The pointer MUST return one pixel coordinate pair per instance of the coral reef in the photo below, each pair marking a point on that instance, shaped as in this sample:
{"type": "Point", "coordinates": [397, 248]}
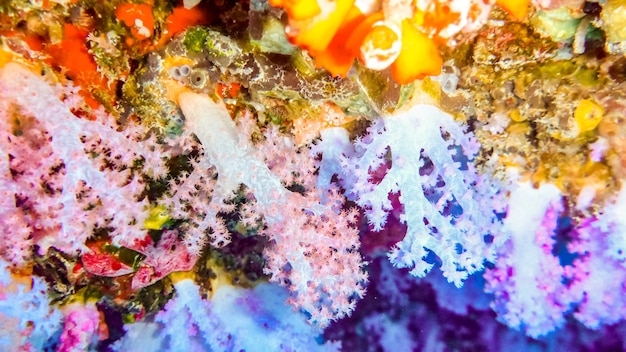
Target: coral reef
{"type": "Point", "coordinates": [312, 175]}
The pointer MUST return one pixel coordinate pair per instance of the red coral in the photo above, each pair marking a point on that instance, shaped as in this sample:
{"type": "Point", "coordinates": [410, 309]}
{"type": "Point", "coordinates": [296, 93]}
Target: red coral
{"type": "Point", "coordinates": [168, 256]}
{"type": "Point", "coordinates": [102, 263]}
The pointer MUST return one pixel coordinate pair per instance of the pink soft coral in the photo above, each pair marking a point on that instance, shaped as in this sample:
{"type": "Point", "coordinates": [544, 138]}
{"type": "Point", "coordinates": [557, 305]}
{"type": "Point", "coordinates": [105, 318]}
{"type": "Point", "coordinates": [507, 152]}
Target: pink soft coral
{"type": "Point", "coordinates": [80, 327]}
{"type": "Point", "coordinates": [168, 256]}
{"type": "Point", "coordinates": [527, 279]}
{"type": "Point", "coordinates": [314, 249]}
{"type": "Point", "coordinates": [63, 176]}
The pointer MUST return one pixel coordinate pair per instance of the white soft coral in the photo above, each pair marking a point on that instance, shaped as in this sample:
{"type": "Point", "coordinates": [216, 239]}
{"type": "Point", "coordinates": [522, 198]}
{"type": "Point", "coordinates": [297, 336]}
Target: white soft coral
{"type": "Point", "coordinates": [314, 249]}
{"type": "Point", "coordinates": [426, 157]}
{"type": "Point", "coordinates": [27, 320]}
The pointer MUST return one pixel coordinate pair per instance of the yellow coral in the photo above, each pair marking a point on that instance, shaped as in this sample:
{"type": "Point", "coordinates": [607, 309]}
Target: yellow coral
{"type": "Point", "coordinates": [416, 44]}
{"type": "Point", "coordinates": [572, 174]}
{"type": "Point", "coordinates": [588, 115]}
{"type": "Point", "coordinates": [157, 217]}
{"type": "Point", "coordinates": [516, 8]}
{"type": "Point", "coordinates": [517, 116]}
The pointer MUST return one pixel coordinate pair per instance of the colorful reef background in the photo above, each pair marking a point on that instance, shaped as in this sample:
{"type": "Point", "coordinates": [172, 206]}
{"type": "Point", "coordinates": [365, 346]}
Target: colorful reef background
{"type": "Point", "coordinates": [312, 175]}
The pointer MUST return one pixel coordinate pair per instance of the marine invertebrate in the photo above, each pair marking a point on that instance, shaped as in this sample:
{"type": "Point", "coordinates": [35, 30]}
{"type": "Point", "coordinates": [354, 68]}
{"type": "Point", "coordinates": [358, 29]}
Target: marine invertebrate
{"type": "Point", "coordinates": [228, 192]}
{"type": "Point", "coordinates": [384, 34]}
{"type": "Point", "coordinates": [26, 316]}
{"type": "Point", "coordinates": [426, 158]}
{"type": "Point", "coordinates": [312, 242]}
{"type": "Point", "coordinates": [59, 197]}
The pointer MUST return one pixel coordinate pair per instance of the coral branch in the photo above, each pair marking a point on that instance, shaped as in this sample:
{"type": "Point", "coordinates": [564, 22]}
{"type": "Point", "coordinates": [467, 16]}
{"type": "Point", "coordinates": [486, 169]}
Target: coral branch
{"type": "Point", "coordinates": [315, 249]}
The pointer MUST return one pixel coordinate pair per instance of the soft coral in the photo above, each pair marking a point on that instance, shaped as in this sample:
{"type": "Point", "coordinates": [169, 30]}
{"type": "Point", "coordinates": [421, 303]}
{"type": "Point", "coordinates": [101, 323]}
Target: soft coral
{"type": "Point", "coordinates": [64, 176]}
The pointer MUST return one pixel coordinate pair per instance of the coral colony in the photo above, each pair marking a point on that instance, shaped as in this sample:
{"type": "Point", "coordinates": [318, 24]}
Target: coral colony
{"type": "Point", "coordinates": [312, 175]}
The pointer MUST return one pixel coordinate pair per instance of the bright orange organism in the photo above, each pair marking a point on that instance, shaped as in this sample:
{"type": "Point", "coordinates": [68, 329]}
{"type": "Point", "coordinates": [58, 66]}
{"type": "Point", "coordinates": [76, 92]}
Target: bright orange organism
{"type": "Point", "coordinates": [72, 55]}
{"type": "Point", "coordinates": [138, 17]}
{"type": "Point", "coordinates": [401, 34]}
{"type": "Point", "coordinates": [181, 19]}
{"type": "Point", "coordinates": [516, 8]}
{"type": "Point", "coordinates": [416, 44]}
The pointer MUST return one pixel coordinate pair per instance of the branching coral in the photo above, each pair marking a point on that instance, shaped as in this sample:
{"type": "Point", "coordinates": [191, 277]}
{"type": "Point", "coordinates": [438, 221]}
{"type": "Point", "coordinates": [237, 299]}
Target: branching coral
{"type": "Point", "coordinates": [426, 158]}
{"type": "Point", "coordinates": [229, 194]}
{"type": "Point", "coordinates": [580, 273]}
{"type": "Point", "coordinates": [533, 299]}
{"type": "Point", "coordinates": [235, 319]}
{"type": "Point", "coordinates": [27, 320]}
{"type": "Point", "coordinates": [65, 176]}
{"type": "Point", "coordinates": [313, 245]}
